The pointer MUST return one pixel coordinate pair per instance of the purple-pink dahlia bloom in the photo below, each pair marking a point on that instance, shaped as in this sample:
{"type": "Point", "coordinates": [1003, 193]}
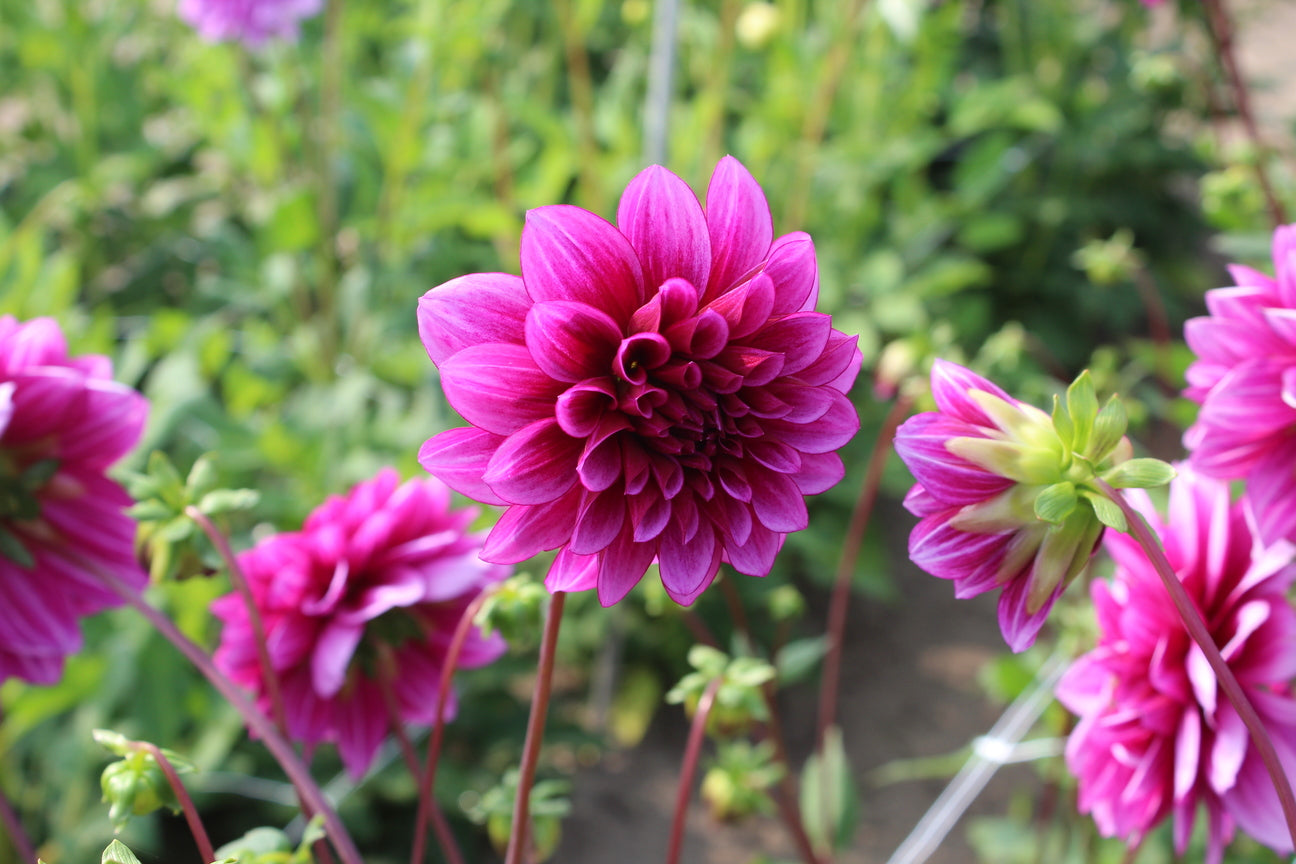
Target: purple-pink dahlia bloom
{"type": "Point", "coordinates": [252, 22]}
{"type": "Point", "coordinates": [1156, 734]}
{"type": "Point", "coordinates": [658, 389]}
{"type": "Point", "coordinates": [982, 461]}
{"type": "Point", "coordinates": [1245, 379]}
{"type": "Point", "coordinates": [63, 423]}
{"type": "Point", "coordinates": [366, 596]}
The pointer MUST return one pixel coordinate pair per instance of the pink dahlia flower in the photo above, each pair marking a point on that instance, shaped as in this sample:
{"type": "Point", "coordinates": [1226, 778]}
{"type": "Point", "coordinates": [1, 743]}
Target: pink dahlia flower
{"type": "Point", "coordinates": [659, 389]}
{"type": "Point", "coordinates": [252, 22]}
{"type": "Point", "coordinates": [1245, 379]}
{"type": "Point", "coordinates": [63, 423]}
{"type": "Point", "coordinates": [982, 462]}
{"type": "Point", "coordinates": [1156, 734]}
{"type": "Point", "coordinates": [374, 584]}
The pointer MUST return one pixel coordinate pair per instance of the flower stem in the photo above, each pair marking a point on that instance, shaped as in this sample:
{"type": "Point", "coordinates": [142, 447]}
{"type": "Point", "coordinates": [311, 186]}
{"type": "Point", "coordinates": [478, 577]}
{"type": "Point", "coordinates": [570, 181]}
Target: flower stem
{"type": "Point", "coordinates": [240, 582]}
{"type": "Point", "coordinates": [840, 602]}
{"type": "Point", "coordinates": [196, 828]}
{"type": "Point", "coordinates": [688, 769]}
{"type": "Point", "coordinates": [517, 844]}
{"type": "Point", "coordinates": [310, 792]}
{"type": "Point", "coordinates": [427, 778]}
{"type": "Point", "coordinates": [386, 678]}
{"type": "Point", "coordinates": [17, 836]}
{"type": "Point", "coordinates": [1197, 630]}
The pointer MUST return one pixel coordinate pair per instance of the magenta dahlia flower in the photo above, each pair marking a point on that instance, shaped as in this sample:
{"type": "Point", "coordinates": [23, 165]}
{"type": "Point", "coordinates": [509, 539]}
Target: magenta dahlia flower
{"type": "Point", "coordinates": [1156, 735]}
{"type": "Point", "coordinates": [252, 22]}
{"type": "Point", "coordinates": [374, 584]}
{"type": "Point", "coordinates": [1245, 380]}
{"type": "Point", "coordinates": [659, 389]}
{"type": "Point", "coordinates": [1004, 495]}
{"type": "Point", "coordinates": [63, 423]}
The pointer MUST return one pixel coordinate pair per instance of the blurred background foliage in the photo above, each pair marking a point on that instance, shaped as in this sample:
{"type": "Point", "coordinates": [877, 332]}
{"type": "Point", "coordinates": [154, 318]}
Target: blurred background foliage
{"type": "Point", "coordinates": [247, 233]}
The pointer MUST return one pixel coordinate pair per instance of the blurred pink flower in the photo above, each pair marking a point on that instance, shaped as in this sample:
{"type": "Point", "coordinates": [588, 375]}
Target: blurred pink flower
{"type": "Point", "coordinates": [252, 22]}
{"type": "Point", "coordinates": [661, 389]}
{"type": "Point", "coordinates": [63, 423]}
{"type": "Point", "coordinates": [1156, 735]}
{"type": "Point", "coordinates": [980, 461]}
{"type": "Point", "coordinates": [386, 570]}
{"type": "Point", "coordinates": [1245, 379]}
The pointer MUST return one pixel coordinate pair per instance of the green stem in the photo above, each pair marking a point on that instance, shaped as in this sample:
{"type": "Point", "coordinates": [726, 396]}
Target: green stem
{"type": "Point", "coordinates": [518, 835]}
{"type": "Point", "coordinates": [1197, 630]}
{"type": "Point", "coordinates": [688, 769]}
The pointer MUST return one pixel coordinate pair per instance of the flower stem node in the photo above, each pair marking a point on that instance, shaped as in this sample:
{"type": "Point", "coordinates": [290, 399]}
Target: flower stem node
{"type": "Point", "coordinates": [135, 784]}
{"type": "Point", "coordinates": [740, 700]}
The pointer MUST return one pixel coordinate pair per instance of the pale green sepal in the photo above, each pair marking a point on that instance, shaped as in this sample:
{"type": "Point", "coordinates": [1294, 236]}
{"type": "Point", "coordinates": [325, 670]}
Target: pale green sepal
{"type": "Point", "coordinates": [1062, 423]}
{"type": "Point", "coordinates": [1108, 429]}
{"type": "Point", "coordinates": [1082, 403]}
{"type": "Point", "coordinates": [1093, 531]}
{"type": "Point", "coordinates": [1140, 474]}
{"type": "Point", "coordinates": [1007, 511]}
{"type": "Point", "coordinates": [118, 853]}
{"type": "Point", "coordinates": [1007, 459]}
{"type": "Point", "coordinates": [1106, 510]}
{"type": "Point", "coordinates": [1055, 559]}
{"type": "Point", "coordinates": [1055, 503]}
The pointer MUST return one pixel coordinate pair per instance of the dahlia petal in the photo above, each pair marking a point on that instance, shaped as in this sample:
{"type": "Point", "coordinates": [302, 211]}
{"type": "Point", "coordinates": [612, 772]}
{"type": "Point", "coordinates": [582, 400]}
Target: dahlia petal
{"type": "Point", "coordinates": [333, 651]}
{"type": "Point", "coordinates": [675, 300]}
{"type": "Point", "coordinates": [525, 531]}
{"type": "Point", "coordinates": [701, 337]}
{"type": "Point", "coordinates": [640, 354]}
{"type": "Point", "coordinates": [649, 515]}
{"type": "Point", "coordinates": [622, 566]}
{"type": "Point", "coordinates": [971, 560]}
{"type": "Point", "coordinates": [734, 519]}
{"type": "Point", "coordinates": [739, 224]}
{"type": "Point", "coordinates": [599, 523]}
{"type": "Point", "coordinates": [800, 337]}
{"type": "Point", "coordinates": [1252, 801]}
{"type": "Point", "coordinates": [776, 500]}
{"type": "Point", "coordinates": [572, 572]}
{"type": "Point", "coordinates": [831, 432]}
{"type": "Point", "coordinates": [601, 462]}
{"type": "Point", "coordinates": [756, 556]}
{"type": "Point", "coordinates": [458, 458]}
{"type": "Point", "coordinates": [478, 309]}
{"type": "Point", "coordinates": [920, 503]}
{"type": "Point", "coordinates": [662, 219]}
{"type": "Point", "coordinates": [747, 307]}
{"type": "Point", "coordinates": [498, 388]}
{"type": "Point", "coordinates": [775, 455]}
{"type": "Point", "coordinates": [921, 442]}
{"type": "Point", "coordinates": [818, 473]}
{"type": "Point", "coordinates": [837, 366]}
{"type": "Point", "coordinates": [571, 254]}
{"type": "Point", "coordinates": [1229, 748]}
{"type": "Point", "coordinates": [795, 273]}
{"type": "Point", "coordinates": [534, 465]}
{"type": "Point", "coordinates": [1271, 490]}
{"type": "Point", "coordinates": [571, 341]}
{"type": "Point", "coordinates": [361, 727]}
{"type": "Point", "coordinates": [951, 384]}
{"type": "Point", "coordinates": [581, 407]}
{"type": "Point", "coordinates": [1019, 625]}
{"type": "Point", "coordinates": [1187, 752]}
{"type": "Point", "coordinates": [687, 566]}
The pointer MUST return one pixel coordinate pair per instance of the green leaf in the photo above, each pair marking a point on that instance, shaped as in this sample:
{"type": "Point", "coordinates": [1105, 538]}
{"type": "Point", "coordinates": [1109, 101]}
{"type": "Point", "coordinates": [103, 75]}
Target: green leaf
{"type": "Point", "coordinates": [1055, 503]}
{"type": "Point", "coordinates": [799, 658]}
{"type": "Point", "coordinates": [1107, 511]}
{"type": "Point", "coordinates": [118, 853]}
{"type": "Point", "coordinates": [1140, 474]}
{"type": "Point", "coordinates": [829, 800]}
{"type": "Point", "coordinates": [707, 660]}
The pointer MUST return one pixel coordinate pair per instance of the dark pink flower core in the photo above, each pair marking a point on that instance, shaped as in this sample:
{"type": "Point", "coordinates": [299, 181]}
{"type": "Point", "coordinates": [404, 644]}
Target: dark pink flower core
{"type": "Point", "coordinates": [660, 390]}
{"type": "Point", "coordinates": [63, 423]}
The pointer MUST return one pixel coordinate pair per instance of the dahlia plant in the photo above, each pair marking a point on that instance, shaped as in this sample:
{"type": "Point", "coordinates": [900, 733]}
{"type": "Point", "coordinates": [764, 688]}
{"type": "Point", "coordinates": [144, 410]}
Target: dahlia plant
{"type": "Point", "coordinates": [252, 22]}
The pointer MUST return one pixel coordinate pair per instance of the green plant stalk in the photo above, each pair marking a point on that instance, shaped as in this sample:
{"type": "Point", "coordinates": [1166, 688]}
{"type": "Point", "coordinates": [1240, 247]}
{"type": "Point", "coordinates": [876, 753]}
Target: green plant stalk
{"type": "Point", "coordinates": [239, 580]}
{"type": "Point", "coordinates": [17, 836]}
{"type": "Point", "coordinates": [518, 835]}
{"type": "Point", "coordinates": [1197, 630]}
{"type": "Point", "coordinates": [283, 752]}
{"type": "Point", "coordinates": [196, 827]}
{"type": "Point", "coordinates": [386, 677]}
{"type": "Point", "coordinates": [427, 777]}
{"type": "Point", "coordinates": [688, 769]}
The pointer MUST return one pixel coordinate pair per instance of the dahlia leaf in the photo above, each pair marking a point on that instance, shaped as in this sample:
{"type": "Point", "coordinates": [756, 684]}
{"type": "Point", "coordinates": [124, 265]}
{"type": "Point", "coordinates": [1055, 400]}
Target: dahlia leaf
{"type": "Point", "coordinates": [1056, 502]}
{"type": "Point", "coordinates": [1107, 511]}
{"type": "Point", "coordinates": [1082, 404]}
{"type": "Point", "coordinates": [1140, 474]}
{"type": "Point", "coordinates": [829, 799]}
{"type": "Point", "coordinates": [118, 853]}
{"type": "Point", "coordinates": [13, 549]}
{"type": "Point", "coordinates": [799, 658]}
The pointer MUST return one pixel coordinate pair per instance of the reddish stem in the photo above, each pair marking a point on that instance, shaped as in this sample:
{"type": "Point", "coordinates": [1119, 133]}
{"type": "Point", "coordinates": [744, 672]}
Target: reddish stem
{"type": "Point", "coordinates": [239, 580]}
{"type": "Point", "coordinates": [517, 844]}
{"type": "Point", "coordinates": [311, 794]}
{"type": "Point", "coordinates": [1197, 629]}
{"type": "Point", "coordinates": [386, 677]}
{"type": "Point", "coordinates": [17, 836]}
{"type": "Point", "coordinates": [840, 602]}
{"type": "Point", "coordinates": [688, 769]}
{"type": "Point", "coordinates": [427, 778]}
{"type": "Point", "coordinates": [196, 828]}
